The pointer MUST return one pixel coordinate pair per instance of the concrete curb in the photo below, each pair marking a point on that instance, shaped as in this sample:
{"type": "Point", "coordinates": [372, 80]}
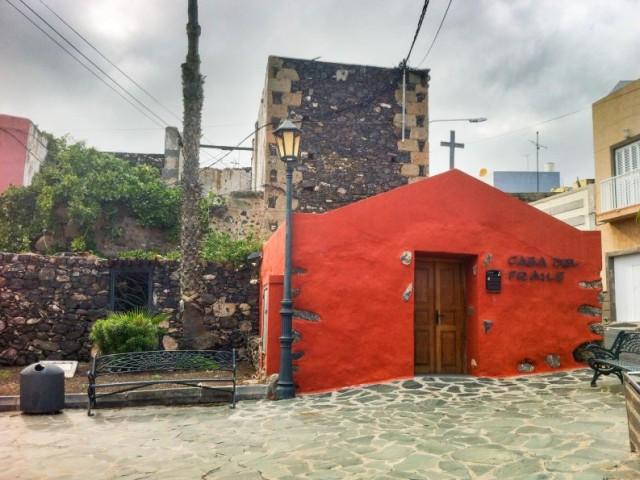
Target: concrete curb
{"type": "Point", "coordinates": [170, 396]}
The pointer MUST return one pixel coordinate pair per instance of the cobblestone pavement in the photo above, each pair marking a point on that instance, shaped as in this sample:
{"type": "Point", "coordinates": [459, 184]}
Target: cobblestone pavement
{"type": "Point", "coordinates": [543, 426]}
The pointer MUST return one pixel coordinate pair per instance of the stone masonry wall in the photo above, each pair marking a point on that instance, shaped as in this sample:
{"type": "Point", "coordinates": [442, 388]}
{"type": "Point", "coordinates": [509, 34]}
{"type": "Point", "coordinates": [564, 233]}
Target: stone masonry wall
{"type": "Point", "coordinates": [223, 181]}
{"type": "Point", "coordinates": [242, 215]}
{"type": "Point", "coordinates": [47, 306]}
{"type": "Point", "coordinates": [49, 303]}
{"type": "Point", "coordinates": [351, 145]}
{"type": "Point", "coordinates": [230, 304]}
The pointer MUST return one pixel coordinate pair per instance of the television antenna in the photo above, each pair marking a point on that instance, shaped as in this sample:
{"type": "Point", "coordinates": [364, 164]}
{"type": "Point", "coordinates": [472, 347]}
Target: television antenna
{"type": "Point", "coordinates": [538, 147]}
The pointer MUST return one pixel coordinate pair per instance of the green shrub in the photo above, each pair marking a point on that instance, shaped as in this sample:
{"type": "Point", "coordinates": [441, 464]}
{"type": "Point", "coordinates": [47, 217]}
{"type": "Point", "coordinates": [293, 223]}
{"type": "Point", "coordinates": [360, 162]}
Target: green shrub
{"type": "Point", "coordinates": [220, 247]}
{"type": "Point", "coordinates": [140, 254]}
{"type": "Point", "coordinates": [79, 244]}
{"type": "Point", "coordinates": [134, 331]}
{"type": "Point", "coordinates": [19, 222]}
{"type": "Point", "coordinates": [172, 255]}
{"type": "Point", "coordinates": [80, 186]}
{"type": "Point", "coordinates": [197, 362]}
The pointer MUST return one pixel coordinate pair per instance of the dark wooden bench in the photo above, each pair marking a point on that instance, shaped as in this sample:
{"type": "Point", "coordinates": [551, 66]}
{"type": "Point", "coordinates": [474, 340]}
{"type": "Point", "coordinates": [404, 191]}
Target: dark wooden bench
{"type": "Point", "coordinates": [162, 361]}
{"type": "Point", "coordinates": [632, 400]}
{"type": "Point", "coordinates": [605, 361]}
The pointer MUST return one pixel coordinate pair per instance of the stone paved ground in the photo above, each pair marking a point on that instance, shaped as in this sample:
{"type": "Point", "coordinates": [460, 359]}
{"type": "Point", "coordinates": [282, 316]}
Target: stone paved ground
{"type": "Point", "coordinates": [544, 426]}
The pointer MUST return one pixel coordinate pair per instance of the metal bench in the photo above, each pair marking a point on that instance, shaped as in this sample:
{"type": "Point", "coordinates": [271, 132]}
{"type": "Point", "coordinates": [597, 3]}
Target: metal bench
{"type": "Point", "coordinates": [605, 361]}
{"type": "Point", "coordinates": [162, 361]}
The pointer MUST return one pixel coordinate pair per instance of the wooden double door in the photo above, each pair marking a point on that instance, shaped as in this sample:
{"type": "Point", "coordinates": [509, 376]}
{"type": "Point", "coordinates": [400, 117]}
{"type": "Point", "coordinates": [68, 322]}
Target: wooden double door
{"type": "Point", "coordinates": [439, 323]}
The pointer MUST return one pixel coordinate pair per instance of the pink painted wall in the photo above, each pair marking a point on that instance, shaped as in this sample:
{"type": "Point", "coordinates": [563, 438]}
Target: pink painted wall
{"type": "Point", "coordinates": [352, 278]}
{"type": "Point", "coordinates": [14, 135]}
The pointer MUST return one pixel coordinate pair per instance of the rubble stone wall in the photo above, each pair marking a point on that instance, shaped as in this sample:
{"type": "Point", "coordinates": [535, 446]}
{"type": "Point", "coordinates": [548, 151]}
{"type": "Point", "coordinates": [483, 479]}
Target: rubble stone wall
{"type": "Point", "coordinates": [49, 303]}
{"type": "Point", "coordinates": [351, 146]}
{"type": "Point", "coordinates": [241, 215]}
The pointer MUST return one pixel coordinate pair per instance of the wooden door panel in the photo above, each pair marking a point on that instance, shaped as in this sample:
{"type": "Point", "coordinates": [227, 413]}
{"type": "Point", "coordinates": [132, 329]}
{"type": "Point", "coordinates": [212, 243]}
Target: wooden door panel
{"type": "Point", "coordinates": [423, 342]}
{"type": "Point", "coordinates": [447, 360]}
{"type": "Point", "coordinates": [449, 356]}
{"type": "Point", "coordinates": [439, 316]}
{"type": "Point", "coordinates": [424, 306]}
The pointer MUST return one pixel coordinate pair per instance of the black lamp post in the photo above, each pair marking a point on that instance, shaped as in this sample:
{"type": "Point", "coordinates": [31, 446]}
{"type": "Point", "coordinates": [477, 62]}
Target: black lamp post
{"type": "Point", "coordinates": [288, 141]}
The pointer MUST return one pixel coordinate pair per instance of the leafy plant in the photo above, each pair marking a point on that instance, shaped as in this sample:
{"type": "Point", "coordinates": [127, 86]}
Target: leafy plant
{"type": "Point", "coordinates": [220, 247]}
{"type": "Point", "coordinates": [79, 186]}
{"type": "Point", "coordinates": [19, 220]}
{"type": "Point", "coordinates": [197, 362]}
{"type": "Point", "coordinates": [133, 331]}
{"type": "Point", "coordinates": [79, 244]}
{"type": "Point", "coordinates": [139, 254]}
{"type": "Point", "coordinates": [172, 255]}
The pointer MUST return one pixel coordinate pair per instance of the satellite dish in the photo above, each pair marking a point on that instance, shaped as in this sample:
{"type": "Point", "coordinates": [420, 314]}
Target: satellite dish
{"type": "Point", "coordinates": [483, 172]}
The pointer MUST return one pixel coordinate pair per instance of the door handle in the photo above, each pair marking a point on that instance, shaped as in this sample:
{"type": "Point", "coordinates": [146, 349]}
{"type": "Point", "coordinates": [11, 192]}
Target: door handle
{"type": "Point", "coordinates": [437, 317]}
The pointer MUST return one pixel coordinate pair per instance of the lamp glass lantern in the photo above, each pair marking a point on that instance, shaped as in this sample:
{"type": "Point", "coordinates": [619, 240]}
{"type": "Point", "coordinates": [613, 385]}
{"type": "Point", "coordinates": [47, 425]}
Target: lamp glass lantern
{"type": "Point", "coordinates": [288, 140]}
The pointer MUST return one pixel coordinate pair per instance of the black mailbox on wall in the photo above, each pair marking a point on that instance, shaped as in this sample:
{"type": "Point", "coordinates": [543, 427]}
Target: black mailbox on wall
{"type": "Point", "coordinates": [493, 281]}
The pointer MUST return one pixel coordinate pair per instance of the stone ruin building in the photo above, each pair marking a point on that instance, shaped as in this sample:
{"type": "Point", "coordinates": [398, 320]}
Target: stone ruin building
{"type": "Point", "coordinates": [352, 144]}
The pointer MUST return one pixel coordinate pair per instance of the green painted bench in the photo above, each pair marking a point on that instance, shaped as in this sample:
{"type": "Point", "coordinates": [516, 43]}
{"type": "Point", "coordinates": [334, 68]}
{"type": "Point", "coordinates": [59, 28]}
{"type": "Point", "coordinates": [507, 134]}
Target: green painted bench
{"type": "Point", "coordinates": [605, 361]}
{"type": "Point", "coordinates": [162, 361]}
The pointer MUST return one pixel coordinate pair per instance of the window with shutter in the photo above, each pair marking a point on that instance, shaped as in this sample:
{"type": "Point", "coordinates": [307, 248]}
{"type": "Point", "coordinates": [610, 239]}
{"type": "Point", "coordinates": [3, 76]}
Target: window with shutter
{"type": "Point", "coordinates": [627, 158]}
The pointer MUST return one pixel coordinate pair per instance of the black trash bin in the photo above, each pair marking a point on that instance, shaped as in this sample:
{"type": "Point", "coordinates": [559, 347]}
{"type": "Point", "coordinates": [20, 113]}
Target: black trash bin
{"type": "Point", "coordinates": [41, 389]}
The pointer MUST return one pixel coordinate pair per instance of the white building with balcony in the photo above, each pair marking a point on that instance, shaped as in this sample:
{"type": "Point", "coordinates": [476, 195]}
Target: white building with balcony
{"type": "Point", "coordinates": [616, 138]}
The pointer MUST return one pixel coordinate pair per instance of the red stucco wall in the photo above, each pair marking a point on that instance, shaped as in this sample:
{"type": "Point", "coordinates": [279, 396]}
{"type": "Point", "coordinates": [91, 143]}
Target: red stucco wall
{"type": "Point", "coordinates": [14, 135]}
{"type": "Point", "coordinates": [353, 279]}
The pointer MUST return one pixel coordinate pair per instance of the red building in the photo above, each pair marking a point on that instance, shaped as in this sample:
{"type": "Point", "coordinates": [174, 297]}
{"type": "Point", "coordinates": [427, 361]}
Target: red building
{"type": "Point", "coordinates": [445, 275]}
{"type": "Point", "coordinates": [22, 150]}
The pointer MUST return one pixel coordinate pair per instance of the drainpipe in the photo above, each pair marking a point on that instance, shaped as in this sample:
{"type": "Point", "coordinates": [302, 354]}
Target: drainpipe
{"type": "Point", "coordinates": [404, 92]}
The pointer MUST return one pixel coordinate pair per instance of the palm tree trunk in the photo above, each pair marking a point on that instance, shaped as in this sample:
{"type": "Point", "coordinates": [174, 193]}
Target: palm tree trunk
{"type": "Point", "coordinates": [191, 267]}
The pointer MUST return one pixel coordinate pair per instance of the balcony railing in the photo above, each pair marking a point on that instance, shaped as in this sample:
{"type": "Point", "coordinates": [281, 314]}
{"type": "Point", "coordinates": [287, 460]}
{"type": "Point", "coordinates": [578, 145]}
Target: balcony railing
{"type": "Point", "coordinates": [620, 191]}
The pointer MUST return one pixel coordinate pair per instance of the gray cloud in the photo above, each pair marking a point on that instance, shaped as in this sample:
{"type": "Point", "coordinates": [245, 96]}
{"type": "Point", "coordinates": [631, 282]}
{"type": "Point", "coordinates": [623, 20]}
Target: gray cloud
{"type": "Point", "coordinates": [514, 62]}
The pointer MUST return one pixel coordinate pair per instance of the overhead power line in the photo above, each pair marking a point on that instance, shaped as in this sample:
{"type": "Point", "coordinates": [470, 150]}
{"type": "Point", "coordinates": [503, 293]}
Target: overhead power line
{"type": "Point", "coordinates": [435, 37]}
{"type": "Point", "coordinates": [113, 64]}
{"type": "Point", "coordinates": [520, 129]}
{"type": "Point", "coordinates": [104, 57]}
{"type": "Point", "coordinates": [328, 118]}
{"type": "Point", "coordinates": [221, 157]}
{"type": "Point", "coordinates": [130, 98]}
{"type": "Point", "coordinates": [8, 132]}
{"type": "Point", "coordinates": [84, 65]}
{"type": "Point", "coordinates": [95, 65]}
{"type": "Point", "coordinates": [415, 35]}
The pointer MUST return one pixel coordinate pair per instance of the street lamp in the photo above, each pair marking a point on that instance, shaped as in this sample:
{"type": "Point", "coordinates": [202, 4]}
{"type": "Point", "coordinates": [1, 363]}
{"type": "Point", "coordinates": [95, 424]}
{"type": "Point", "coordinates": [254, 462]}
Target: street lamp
{"type": "Point", "coordinates": [288, 142]}
{"type": "Point", "coordinates": [470, 120]}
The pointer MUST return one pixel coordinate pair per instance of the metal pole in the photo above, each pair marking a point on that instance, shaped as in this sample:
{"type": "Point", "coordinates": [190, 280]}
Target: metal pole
{"type": "Point", "coordinates": [537, 161]}
{"type": "Point", "coordinates": [452, 149]}
{"type": "Point", "coordinates": [285, 387]}
{"type": "Point", "coordinates": [404, 91]}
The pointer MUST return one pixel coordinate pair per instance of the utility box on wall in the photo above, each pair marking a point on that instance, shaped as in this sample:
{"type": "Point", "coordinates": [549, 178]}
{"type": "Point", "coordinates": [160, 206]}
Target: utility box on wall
{"type": "Point", "coordinates": [493, 281]}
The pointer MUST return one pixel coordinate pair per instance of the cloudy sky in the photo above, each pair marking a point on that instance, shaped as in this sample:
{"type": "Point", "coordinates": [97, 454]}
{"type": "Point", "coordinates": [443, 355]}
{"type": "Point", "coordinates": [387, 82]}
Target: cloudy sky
{"type": "Point", "coordinates": [519, 63]}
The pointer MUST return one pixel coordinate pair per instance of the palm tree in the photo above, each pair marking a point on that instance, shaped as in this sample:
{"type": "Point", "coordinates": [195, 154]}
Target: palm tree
{"type": "Point", "coordinates": [191, 267]}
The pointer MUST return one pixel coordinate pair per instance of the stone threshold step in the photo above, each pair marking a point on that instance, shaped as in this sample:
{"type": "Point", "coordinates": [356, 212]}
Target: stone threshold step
{"type": "Point", "coordinates": [170, 396]}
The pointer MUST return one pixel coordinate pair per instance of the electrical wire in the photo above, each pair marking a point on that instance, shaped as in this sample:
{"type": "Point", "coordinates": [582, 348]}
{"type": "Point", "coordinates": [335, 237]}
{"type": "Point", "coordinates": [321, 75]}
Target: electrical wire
{"type": "Point", "coordinates": [520, 129]}
{"type": "Point", "coordinates": [43, 145]}
{"type": "Point", "coordinates": [435, 36]}
{"type": "Point", "coordinates": [162, 122]}
{"type": "Point", "coordinates": [320, 119]}
{"type": "Point", "coordinates": [68, 52]}
{"type": "Point", "coordinates": [95, 65]}
{"type": "Point", "coordinates": [6, 130]}
{"type": "Point", "coordinates": [104, 57]}
{"type": "Point", "coordinates": [415, 35]}
{"type": "Point", "coordinates": [247, 137]}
